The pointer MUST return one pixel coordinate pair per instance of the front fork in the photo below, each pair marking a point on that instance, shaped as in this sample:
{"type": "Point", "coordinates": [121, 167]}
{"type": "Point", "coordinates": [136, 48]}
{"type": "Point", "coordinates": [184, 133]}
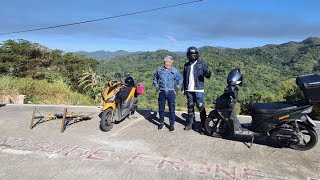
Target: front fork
{"type": "Point", "coordinates": [111, 105]}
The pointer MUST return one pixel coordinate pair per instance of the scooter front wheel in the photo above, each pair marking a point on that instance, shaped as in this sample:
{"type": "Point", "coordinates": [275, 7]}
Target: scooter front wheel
{"type": "Point", "coordinates": [308, 138]}
{"type": "Point", "coordinates": [212, 126]}
{"type": "Point", "coordinates": [106, 123]}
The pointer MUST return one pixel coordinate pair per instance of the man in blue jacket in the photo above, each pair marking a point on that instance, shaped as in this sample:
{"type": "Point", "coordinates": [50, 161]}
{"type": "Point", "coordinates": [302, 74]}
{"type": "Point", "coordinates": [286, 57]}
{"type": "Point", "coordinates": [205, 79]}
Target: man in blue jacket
{"type": "Point", "coordinates": [195, 70]}
{"type": "Point", "coordinates": [164, 81]}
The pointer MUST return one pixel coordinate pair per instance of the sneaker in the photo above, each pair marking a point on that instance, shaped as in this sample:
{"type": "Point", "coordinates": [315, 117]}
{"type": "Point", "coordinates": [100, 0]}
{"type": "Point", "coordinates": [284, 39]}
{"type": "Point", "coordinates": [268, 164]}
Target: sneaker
{"type": "Point", "coordinates": [160, 126]}
{"type": "Point", "coordinates": [188, 127]}
{"type": "Point", "coordinates": [171, 128]}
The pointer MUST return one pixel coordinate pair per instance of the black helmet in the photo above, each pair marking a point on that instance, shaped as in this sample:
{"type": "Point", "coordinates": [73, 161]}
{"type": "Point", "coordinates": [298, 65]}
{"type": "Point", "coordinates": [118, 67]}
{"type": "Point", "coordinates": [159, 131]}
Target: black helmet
{"type": "Point", "coordinates": [192, 53]}
{"type": "Point", "coordinates": [129, 81]}
{"type": "Point", "coordinates": [235, 77]}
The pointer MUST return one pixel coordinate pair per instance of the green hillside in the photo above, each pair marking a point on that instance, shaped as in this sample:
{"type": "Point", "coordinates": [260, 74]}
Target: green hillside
{"type": "Point", "coordinates": [103, 55]}
{"type": "Point", "coordinates": [107, 55]}
{"type": "Point", "coordinates": [270, 71]}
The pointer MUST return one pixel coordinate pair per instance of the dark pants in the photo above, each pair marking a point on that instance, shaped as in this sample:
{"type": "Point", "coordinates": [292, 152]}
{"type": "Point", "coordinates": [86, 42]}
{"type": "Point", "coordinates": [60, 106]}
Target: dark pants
{"type": "Point", "coordinates": [169, 96]}
{"type": "Point", "coordinates": [196, 99]}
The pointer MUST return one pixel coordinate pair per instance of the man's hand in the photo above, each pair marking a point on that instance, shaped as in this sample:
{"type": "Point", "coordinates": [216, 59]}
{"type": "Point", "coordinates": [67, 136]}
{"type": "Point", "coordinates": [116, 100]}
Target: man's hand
{"type": "Point", "coordinates": [208, 74]}
{"type": "Point", "coordinates": [177, 88]}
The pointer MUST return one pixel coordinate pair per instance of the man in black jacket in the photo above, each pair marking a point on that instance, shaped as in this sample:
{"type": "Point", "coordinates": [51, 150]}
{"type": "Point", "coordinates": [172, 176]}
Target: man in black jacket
{"type": "Point", "coordinates": [195, 70]}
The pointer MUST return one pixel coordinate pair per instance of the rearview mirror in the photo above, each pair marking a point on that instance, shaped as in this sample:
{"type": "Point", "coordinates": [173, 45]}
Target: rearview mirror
{"type": "Point", "coordinates": [117, 75]}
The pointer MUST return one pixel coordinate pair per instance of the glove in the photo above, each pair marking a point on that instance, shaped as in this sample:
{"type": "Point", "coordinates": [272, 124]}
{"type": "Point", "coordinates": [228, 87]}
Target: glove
{"type": "Point", "coordinates": [208, 74]}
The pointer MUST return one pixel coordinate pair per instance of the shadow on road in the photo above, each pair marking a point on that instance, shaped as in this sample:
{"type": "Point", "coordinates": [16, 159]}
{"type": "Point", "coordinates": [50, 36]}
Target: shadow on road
{"type": "Point", "coordinates": [151, 116]}
{"type": "Point", "coordinates": [197, 126]}
{"type": "Point", "coordinates": [244, 137]}
{"type": "Point", "coordinates": [248, 139]}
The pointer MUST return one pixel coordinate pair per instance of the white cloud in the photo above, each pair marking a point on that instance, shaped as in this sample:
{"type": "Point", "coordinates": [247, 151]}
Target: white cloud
{"type": "Point", "coordinates": [170, 38]}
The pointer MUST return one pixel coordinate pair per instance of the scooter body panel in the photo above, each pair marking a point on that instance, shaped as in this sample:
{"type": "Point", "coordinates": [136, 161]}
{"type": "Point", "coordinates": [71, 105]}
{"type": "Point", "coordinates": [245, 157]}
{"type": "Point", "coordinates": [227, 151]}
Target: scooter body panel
{"type": "Point", "coordinates": [263, 123]}
{"type": "Point", "coordinates": [107, 105]}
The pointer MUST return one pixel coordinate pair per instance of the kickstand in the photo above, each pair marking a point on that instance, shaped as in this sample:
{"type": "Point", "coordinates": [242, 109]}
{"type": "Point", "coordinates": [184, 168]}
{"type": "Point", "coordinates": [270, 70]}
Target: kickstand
{"type": "Point", "coordinates": [252, 139]}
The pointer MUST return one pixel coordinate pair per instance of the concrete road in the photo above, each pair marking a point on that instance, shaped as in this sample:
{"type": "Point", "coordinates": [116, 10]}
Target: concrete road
{"type": "Point", "coordinates": [135, 149]}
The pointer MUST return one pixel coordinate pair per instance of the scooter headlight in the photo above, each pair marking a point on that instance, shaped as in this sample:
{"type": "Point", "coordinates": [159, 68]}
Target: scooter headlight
{"type": "Point", "coordinates": [111, 99]}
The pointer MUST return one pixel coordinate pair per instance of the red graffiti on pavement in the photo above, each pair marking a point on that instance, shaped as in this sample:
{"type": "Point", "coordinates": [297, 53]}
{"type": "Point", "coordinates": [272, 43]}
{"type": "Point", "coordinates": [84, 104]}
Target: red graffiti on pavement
{"type": "Point", "coordinates": [215, 171]}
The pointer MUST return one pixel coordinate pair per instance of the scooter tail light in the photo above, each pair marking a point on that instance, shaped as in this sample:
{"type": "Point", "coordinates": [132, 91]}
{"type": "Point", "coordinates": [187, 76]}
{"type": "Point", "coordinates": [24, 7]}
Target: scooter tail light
{"type": "Point", "coordinates": [307, 111]}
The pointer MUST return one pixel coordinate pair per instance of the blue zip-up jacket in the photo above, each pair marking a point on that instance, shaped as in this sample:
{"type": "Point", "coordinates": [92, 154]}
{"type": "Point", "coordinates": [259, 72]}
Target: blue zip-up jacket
{"type": "Point", "coordinates": [200, 70]}
{"type": "Point", "coordinates": [165, 79]}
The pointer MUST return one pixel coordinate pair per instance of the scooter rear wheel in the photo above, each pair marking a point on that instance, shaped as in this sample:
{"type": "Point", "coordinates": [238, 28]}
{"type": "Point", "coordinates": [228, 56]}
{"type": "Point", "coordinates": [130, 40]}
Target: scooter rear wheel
{"type": "Point", "coordinates": [106, 123]}
{"type": "Point", "coordinates": [309, 137]}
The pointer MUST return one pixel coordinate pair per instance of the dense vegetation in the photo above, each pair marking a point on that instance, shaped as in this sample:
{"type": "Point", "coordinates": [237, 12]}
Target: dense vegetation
{"type": "Point", "coordinates": [42, 92]}
{"type": "Point", "coordinates": [270, 71]}
{"type": "Point", "coordinates": [54, 70]}
{"type": "Point", "coordinates": [104, 55]}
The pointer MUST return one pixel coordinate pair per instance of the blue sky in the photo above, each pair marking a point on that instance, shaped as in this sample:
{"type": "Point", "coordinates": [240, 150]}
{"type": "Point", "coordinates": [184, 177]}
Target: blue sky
{"type": "Point", "coordinates": [227, 23]}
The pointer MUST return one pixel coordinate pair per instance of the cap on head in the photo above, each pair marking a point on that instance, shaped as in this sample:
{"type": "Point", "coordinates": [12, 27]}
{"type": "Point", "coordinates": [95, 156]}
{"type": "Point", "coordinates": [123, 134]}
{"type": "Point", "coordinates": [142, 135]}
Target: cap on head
{"type": "Point", "coordinates": [168, 58]}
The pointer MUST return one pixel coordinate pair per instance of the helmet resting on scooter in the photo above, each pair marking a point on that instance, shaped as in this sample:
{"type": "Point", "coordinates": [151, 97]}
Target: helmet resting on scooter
{"type": "Point", "coordinates": [235, 77]}
{"type": "Point", "coordinates": [129, 81]}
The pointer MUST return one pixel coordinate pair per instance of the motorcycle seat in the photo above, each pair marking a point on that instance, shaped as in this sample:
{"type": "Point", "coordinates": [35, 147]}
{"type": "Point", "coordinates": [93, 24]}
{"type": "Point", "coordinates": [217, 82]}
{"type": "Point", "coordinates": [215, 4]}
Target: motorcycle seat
{"type": "Point", "coordinates": [270, 108]}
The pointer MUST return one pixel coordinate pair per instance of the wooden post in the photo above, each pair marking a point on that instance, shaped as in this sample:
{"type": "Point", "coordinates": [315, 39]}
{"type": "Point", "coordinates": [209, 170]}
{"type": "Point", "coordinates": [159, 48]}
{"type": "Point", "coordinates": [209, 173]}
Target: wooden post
{"type": "Point", "coordinates": [32, 118]}
{"type": "Point", "coordinates": [63, 123]}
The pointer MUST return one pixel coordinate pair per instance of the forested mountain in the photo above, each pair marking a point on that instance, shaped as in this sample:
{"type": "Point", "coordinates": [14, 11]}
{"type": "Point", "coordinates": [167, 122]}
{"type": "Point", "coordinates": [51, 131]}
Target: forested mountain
{"type": "Point", "coordinates": [270, 71]}
{"type": "Point", "coordinates": [107, 55]}
{"type": "Point", "coordinates": [104, 55]}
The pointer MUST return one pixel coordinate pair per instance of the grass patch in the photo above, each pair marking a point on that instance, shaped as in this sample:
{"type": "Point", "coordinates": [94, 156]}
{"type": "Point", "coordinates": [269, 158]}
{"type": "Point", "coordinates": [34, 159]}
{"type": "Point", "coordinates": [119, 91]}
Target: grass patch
{"type": "Point", "coordinates": [42, 92]}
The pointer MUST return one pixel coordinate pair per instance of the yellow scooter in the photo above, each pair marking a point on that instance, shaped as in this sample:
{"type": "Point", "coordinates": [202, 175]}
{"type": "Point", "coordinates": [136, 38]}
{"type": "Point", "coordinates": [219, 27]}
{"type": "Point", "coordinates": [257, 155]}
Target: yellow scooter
{"type": "Point", "coordinates": [119, 101]}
